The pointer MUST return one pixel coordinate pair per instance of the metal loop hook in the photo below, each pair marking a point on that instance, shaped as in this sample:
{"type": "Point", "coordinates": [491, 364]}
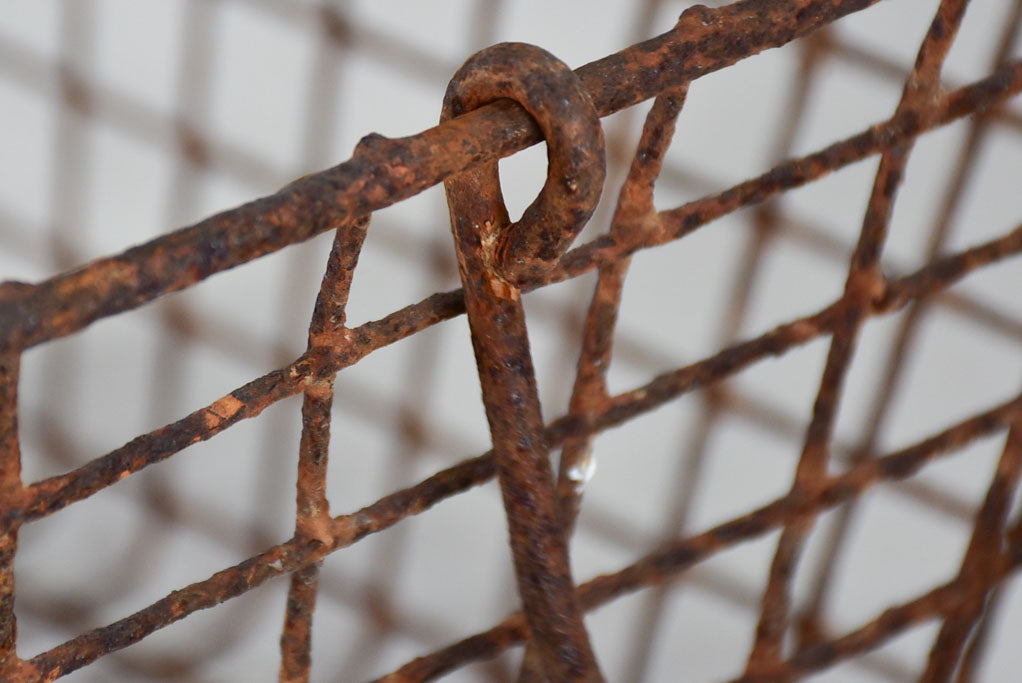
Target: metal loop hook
{"type": "Point", "coordinates": [553, 95]}
{"type": "Point", "coordinates": [494, 258]}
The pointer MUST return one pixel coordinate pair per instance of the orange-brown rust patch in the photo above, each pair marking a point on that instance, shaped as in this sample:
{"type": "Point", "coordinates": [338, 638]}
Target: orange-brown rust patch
{"type": "Point", "coordinates": [319, 527]}
{"type": "Point", "coordinates": [223, 409]}
{"type": "Point", "coordinates": [344, 529]}
{"type": "Point", "coordinates": [501, 288]}
{"type": "Point", "coordinates": [319, 387]}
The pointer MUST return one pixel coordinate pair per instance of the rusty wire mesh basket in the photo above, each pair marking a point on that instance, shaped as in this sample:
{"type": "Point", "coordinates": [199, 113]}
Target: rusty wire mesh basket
{"type": "Point", "coordinates": [802, 396]}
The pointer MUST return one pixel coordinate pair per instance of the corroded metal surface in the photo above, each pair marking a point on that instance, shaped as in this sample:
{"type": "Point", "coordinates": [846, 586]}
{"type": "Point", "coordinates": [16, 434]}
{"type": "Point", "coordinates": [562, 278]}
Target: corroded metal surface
{"type": "Point", "coordinates": [498, 261]}
{"type": "Point", "coordinates": [864, 282]}
{"type": "Point", "coordinates": [384, 171]}
{"type": "Point", "coordinates": [492, 255]}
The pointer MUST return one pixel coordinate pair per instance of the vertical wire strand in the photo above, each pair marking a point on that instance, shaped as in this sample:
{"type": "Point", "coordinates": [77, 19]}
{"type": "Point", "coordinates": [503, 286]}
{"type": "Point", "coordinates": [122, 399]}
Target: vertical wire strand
{"type": "Point", "coordinates": [864, 282]}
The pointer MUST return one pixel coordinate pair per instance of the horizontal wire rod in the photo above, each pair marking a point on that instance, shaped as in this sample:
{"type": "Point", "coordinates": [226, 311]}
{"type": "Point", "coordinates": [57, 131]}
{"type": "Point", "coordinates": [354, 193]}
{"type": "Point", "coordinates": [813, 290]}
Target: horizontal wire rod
{"type": "Point", "coordinates": [383, 171]}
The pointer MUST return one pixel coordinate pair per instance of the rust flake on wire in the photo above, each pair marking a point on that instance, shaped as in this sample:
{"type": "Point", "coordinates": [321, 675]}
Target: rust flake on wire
{"type": "Point", "coordinates": [498, 262]}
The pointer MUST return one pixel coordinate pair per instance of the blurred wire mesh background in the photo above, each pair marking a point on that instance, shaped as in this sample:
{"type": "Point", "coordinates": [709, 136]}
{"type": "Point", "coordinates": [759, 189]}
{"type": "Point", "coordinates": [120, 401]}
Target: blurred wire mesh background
{"type": "Point", "coordinates": [121, 120]}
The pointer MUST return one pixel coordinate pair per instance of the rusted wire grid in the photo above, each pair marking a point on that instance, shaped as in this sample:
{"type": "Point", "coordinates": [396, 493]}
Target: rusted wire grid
{"type": "Point", "coordinates": [922, 279]}
{"type": "Point", "coordinates": [810, 619]}
{"type": "Point", "coordinates": [45, 497]}
{"type": "Point", "coordinates": [384, 171]}
{"type": "Point", "coordinates": [127, 115]}
{"type": "Point", "coordinates": [348, 529]}
{"type": "Point", "coordinates": [694, 452]}
{"type": "Point", "coordinates": [922, 276]}
{"type": "Point", "coordinates": [679, 555]}
{"type": "Point", "coordinates": [864, 282]}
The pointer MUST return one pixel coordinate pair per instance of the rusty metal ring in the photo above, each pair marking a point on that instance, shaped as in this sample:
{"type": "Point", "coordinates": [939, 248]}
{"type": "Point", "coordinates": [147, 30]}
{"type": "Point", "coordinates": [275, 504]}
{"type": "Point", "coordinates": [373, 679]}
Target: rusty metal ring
{"type": "Point", "coordinates": [493, 258]}
{"type": "Point", "coordinates": [555, 98]}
